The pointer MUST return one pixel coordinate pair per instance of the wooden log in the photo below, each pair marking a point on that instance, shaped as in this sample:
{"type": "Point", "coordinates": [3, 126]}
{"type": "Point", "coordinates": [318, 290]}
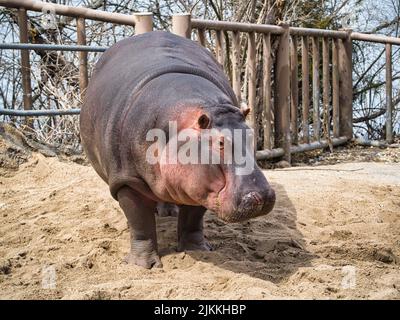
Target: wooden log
{"type": "Point", "coordinates": [219, 47]}
{"type": "Point", "coordinates": [143, 22]}
{"type": "Point", "coordinates": [335, 88]}
{"type": "Point", "coordinates": [181, 25]}
{"type": "Point", "coordinates": [389, 102]}
{"type": "Point", "coordinates": [267, 94]}
{"type": "Point", "coordinates": [25, 64]}
{"type": "Point", "coordinates": [236, 66]}
{"type": "Point", "coordinates": [375, 38]}
{"type": "Point", "coordinates": [326, 90]}
{"type": "Point", "coordinates": [346, 87]}
{"type": "Point", "coordinates": [305, 89]}
{"type": "Point", "coordinates": [70, 11]}
{"type": "Point", "coordinates": [316, 88]}
{"type": "Point", "coordinates": [201, 34]}
{"type": "Point", "coordinates": [83, 60]}
{"type": "Point", "coordinates": [282, 95]}
{"type": "Point", "coordinates": [294, 91]}
{"type": "Point", "coordinates": [251, 60]}
{"type": "Point", "coordinates": [304, 147]}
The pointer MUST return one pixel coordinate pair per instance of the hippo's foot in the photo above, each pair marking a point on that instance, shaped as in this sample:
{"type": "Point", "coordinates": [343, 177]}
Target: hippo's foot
{"type": "Point", "coordinates": [165, 209]}
{"type": "Point", "coordinates": [145, 259]}
{"type": "Point", "coordinates": [193, 241]}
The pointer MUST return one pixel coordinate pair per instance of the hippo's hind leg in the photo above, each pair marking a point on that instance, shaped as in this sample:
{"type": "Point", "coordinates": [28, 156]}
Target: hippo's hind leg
{"type": "Point", "coordinates": [190, 229]}
{"type": "Point", "coordinates": [139, 211]}
{"type": "Point", "coordinates": [165, 209]}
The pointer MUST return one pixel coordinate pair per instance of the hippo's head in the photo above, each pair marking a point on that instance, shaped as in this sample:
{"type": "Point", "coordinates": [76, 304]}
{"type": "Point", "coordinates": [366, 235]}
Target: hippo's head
{"type": "Point", "coordinates": [228, 181]}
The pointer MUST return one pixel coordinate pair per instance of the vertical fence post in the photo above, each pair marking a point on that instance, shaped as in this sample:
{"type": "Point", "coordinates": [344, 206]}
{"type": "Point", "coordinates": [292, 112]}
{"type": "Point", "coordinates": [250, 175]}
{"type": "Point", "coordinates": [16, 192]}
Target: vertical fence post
{"type": "Point", "coordinates": [181, 25]}
{"type": "Point", "coordinates": [25, 63]}
{"type": "Point", "coordinates": [326, 90]}
{"type": "Point", "coordinates": [251, 60]}
{"type": "Point", "coordinates": [83, 67]}
{"type": "Point", "coordinates": [305, 70]}
{"type": "Point", "coordinates": [236, 65]}
{"type": "Point", "coordinates": [316, 87]}
{"type": "Point", "coordinates": [346, 87]}
{"type": "Point", "coordinates": [282, 95]}
{"type": "Point", "coordinates": [201, 36]}
{"type": "Point", "coordinates": [294, 91]}
{"type": "Point", "coordinates": [219, 47]}
{"type": "Point", "coordinates": [335, 88]}
{"type": "Point", "coordinates": [267, 95]}
{"type": "Point", "coordinates": [389, 103]}
{"type": "Point", "coordinates": [143, 22]}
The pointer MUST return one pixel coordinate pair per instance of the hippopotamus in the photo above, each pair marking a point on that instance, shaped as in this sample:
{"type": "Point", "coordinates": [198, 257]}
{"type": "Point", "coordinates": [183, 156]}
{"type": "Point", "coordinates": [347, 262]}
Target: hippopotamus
{"type": "Point", "coordinates": [146, 82]}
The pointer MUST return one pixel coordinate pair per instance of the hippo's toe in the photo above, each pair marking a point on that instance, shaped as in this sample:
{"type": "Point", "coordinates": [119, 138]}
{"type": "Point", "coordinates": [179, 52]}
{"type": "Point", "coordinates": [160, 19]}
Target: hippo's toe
{"type": "Point", "coordinates": [143, 255]}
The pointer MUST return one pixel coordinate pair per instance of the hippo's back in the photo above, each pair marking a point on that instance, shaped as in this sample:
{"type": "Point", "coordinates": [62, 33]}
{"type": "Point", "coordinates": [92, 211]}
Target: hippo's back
{"type": "Point", "coordinates": [118, 78]}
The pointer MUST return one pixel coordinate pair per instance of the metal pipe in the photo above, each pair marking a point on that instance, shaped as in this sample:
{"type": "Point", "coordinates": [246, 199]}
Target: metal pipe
{"type": "Point", "coordinates": [69, 11]}
{"type": "Point", "coordinates": [279, 152]}
{"type": "Point", "coordinates": [38, 113]}
{"type": "Point", "coordinates": [51, 47]}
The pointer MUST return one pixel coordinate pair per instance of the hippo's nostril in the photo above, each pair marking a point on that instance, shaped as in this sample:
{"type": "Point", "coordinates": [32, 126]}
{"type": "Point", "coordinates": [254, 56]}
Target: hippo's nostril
{"type": "Point", "coordinates": [251, 202]}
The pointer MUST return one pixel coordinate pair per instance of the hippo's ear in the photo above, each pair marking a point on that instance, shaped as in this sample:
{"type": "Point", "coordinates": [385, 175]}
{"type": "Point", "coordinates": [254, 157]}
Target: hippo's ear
{"type": "Point", "coordinates": [203, 121]}
{"type": "Point", "coordinates": [244, 109]}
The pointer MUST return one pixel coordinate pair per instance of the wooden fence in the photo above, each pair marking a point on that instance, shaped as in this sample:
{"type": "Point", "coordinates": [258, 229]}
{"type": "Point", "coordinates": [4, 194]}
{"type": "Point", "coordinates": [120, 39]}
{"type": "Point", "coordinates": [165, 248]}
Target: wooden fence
{"type": "Point", "coordinates": [289, 110]}
{"type": "Point", "coordinates": [286, 115]}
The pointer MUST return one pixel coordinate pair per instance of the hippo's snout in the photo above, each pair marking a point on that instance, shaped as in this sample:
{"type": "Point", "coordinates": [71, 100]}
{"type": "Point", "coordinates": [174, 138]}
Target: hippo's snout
{"type": "Point", "coordinates": [253, 204]}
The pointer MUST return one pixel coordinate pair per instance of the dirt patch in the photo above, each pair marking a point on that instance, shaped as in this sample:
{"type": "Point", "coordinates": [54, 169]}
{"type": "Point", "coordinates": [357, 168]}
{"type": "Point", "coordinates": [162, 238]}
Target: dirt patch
{"type": "Point", "coordinates": [16, 148]}
{"type": "Point", "coordinates": [334, 233]}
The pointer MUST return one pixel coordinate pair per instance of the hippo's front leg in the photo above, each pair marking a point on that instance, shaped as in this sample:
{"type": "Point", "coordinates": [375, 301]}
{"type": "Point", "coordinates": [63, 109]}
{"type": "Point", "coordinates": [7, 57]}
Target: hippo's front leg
{"type": "Point", "coordinates": [139, 211]}
{"type": "Point", "coordinates": [190, 229]}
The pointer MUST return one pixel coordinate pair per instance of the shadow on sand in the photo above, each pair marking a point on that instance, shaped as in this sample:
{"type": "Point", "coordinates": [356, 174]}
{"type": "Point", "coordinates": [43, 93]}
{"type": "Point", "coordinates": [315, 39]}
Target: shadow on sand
{"type": "Point", "coordinates": [270, 247]}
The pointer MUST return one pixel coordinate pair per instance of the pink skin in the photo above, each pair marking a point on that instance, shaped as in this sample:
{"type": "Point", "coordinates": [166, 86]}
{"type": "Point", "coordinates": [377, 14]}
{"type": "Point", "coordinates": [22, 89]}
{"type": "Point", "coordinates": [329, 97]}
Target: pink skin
{"type": "Point", "coordinates": [213, 186]}
{"type": "Point", "coordinates": [192, 184]}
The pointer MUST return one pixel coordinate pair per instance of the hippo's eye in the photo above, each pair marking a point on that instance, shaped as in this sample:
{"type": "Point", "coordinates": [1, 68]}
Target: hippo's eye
{"type": "Point", "coordinates": [221, 142]}
{"type": "Point", "coordinates": [203, 121]}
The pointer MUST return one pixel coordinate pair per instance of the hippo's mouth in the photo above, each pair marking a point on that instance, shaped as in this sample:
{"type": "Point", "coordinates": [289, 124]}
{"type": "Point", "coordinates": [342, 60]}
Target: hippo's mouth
{"type": "Point", "coordinates": [215, 204]}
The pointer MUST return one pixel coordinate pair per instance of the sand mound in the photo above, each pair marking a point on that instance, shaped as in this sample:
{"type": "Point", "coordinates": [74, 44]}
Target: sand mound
{"type": "Point", "coordinates": [333, 234]}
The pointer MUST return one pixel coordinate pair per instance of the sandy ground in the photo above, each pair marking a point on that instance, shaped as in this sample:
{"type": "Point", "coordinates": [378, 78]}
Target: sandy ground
{"type": "Point", "coordinates": [334, 233]}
